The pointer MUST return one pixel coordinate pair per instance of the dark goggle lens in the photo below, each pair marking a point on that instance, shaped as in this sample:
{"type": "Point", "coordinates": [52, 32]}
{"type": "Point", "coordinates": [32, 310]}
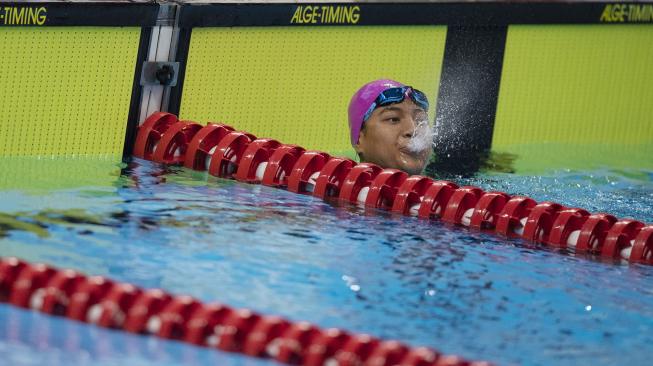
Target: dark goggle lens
{"type": "Point", "coordinates": [396, 95]}
{"type": "Point", "coordinates": [392, 95]}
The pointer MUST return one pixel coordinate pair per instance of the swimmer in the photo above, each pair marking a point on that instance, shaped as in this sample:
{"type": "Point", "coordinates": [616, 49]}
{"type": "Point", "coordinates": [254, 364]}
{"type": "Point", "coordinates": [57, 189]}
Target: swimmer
{"type": "Point", "coordinates": [389, 126]}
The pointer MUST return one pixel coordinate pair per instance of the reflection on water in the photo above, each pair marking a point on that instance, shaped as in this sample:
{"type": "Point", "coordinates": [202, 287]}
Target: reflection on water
{"type": "Point", "coordinates": [422, 282]}
{"type": "Point", "coordinates": [469, 163]}
{"type": "Point", "coordinates": [542, 158]}
{"type": "Point", "coordinates": [9, 222]}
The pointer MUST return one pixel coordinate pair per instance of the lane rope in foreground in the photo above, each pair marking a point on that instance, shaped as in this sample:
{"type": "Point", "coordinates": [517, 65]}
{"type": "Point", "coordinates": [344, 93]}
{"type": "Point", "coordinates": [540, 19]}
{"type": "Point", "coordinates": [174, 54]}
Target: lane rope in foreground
{"type": "Point", "coordinates": [103, 302]}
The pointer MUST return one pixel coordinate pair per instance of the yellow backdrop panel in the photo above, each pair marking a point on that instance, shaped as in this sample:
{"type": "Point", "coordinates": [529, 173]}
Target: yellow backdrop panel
{"type": "Point", "coordinates": [294, 83]}
{"type": "Point", "coordinates": [65, 91]}
{"type": "Point", "coordinates": [577, 93]}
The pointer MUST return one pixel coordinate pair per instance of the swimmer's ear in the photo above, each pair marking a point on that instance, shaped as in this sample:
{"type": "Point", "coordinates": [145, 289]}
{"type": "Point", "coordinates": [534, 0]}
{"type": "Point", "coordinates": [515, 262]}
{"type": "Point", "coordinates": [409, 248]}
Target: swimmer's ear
{"type": "Point", "coordinates": [359, 147]}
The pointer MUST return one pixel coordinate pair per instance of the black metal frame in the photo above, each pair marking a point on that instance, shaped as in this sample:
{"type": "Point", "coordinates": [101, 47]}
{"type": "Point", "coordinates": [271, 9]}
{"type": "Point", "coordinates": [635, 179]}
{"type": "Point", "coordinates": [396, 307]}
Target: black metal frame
{"type": "Point", "coordinates": [137, 92]}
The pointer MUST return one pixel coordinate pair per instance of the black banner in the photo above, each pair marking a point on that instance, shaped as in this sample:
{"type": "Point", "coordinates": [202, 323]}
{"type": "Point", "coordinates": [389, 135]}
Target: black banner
{"type": "Point", "coordinates": [461, 14]}
{"type": "Point", "coordinates": [78, 14]}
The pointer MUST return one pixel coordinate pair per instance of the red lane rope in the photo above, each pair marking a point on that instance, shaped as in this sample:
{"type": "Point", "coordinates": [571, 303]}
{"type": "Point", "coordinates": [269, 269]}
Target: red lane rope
{"type": "Point", "coordinates": [237, 155]}
{"type": "Point", "coordinates": [106, 303]}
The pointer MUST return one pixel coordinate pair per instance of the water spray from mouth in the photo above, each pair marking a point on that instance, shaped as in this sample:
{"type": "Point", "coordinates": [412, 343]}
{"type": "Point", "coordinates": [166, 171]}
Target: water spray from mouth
{"type": "Point", "coordinates": [422, 137]}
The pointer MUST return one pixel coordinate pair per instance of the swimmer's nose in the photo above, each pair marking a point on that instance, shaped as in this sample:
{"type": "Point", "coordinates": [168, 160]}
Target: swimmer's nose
{"type": "Point", "coordinates": [409, 130]}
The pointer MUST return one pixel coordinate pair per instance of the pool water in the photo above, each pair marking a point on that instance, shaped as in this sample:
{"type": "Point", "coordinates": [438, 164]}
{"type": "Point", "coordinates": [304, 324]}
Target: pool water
{"type": "Point", "coordinates": [422, 282]}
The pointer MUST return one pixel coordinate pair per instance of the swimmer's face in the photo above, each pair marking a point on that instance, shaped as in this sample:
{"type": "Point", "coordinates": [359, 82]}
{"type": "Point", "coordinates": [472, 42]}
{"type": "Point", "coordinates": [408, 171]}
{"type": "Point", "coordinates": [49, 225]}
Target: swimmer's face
{"type": "Point", "coordinates": [385, 136]}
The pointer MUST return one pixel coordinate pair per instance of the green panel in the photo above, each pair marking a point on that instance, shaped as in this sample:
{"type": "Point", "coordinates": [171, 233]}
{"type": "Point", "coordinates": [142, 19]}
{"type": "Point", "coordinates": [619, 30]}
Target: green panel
{"type": "Point", "coordinates": [48, 174]}
{"type": "Point", "coordinates": [66, 91]}
{"type": "Point", "coordinates": [576, 95]}
{"type": "Point", "coordinates": [542, 158]}
{"type": "Point", "coordinates": [294, 83]}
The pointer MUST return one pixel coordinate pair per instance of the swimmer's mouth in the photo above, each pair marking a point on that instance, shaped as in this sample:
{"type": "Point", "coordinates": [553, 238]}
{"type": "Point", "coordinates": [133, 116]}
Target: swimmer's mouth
{"type": "Point", "coordinates": [415, 154]}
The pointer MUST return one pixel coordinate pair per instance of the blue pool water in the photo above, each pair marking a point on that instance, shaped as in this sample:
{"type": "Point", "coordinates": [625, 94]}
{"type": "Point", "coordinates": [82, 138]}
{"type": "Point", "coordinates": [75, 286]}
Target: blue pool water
{"type": "Point", "coordinates": [425, 283]}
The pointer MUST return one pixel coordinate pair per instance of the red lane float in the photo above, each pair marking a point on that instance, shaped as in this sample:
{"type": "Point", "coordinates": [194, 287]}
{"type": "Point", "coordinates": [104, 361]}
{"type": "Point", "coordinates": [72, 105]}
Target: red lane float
{"type": "Point", "coordinates": [280, 165]}
{"type": "Point", "coordinates": [54, 298]}
{"type": "Point", "coordinates": [203, 321]}
{"type": "Point", "coordinates": [144, 308]}
{"type": "Point", "coordinates": [231, 335]}
{"type": "Point", "coordinates": [171, 149]}
{"type": "Point", "coordinates": [357, 349]}
{"type": "Point", "coordinates": [620, 237]}
{"type": "Point", "coordinates": [112, 310]}
{"type": "Point", "coordinates": [331, 178]}
{"type": "Point", "coordinates": [642, 250]}
{"type": "Point", "coordinates": [151, 132]}
{"type": "Point", "coordinates": [435, 199]}
{"type": "Point", "coordinates": [540, 220]}
{"type": "Point", "coordinates": [90, 292]}
{"type": "Point", "coordinates": [27, 282]}
{"type": "Point", "coordinates": [10, 268]}
{"type": "Point", "coordinates": [174, 316]}
{"type": "Point", "coordinates": [566, 228]}
{"type": "Point", "coordinates": [356, 186]}
{"type": "Point", "coordinates": [593, 232]}
{"type": "Point", "coordinates": [241, 156]}
{"type": "Point", "coordinates": [294, 343]}
{"type": "Point", "coordinates": [203, 144]}
{"type": "Point", "coordinates": [460, 206]}
{"type": "Point", "coordinates": [325, 346]}
{"type": "Point", "coordinates": [255, 160]}
{"type": "Point", "coordinates": [384, 188]}
{"type": "Point", "coordinates": [228, 153]}
{"type": "Point", "coordinates": [487, 210]}
{"type": "Point", "coordinates": [511, 220]}
{"type": "Point", "coordinates": [306, 172]}
{"type": "Point", "coordinates": [410, 194]}
{"type": "Point", "coordinates": [267, 329]}
{"type": "Point", "coordinates": [110, 304]}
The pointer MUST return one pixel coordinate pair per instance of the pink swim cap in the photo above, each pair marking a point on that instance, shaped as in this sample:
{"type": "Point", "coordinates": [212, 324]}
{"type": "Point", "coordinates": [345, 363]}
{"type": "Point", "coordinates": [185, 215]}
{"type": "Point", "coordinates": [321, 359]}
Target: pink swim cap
{"type": "Point", "coordinates": [361, 102]}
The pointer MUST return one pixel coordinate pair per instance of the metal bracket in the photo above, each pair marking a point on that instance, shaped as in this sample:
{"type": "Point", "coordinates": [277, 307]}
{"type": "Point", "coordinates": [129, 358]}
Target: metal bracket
{"type": "Point", "coordinates": [167, 15]}
{"type": "Point", "coordinates": [159, 73]}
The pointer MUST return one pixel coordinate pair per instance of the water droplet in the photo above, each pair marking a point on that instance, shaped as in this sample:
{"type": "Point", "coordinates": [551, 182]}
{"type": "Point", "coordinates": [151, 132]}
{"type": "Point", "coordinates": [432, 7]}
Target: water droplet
{"type": "Point", "coordinates": [354, 288]}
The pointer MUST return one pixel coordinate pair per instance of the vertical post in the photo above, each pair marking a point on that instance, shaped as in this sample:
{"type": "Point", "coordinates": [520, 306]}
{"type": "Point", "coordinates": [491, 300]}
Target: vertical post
{"type": "Point", "coordinates": [162, 48]}
{"type": "Point", "coordinates": [181, 56]}
{"type": "Point", "coordinates": [135, 104]}
{"type": "Point", "coordinates": [158, 43]}
{"type": "Point", "coordinates": [468, 95]}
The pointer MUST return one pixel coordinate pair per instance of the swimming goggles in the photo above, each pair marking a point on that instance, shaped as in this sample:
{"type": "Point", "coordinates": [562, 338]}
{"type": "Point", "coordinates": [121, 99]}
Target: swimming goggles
{"type": "Point", "coordinates": [397, 95]}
